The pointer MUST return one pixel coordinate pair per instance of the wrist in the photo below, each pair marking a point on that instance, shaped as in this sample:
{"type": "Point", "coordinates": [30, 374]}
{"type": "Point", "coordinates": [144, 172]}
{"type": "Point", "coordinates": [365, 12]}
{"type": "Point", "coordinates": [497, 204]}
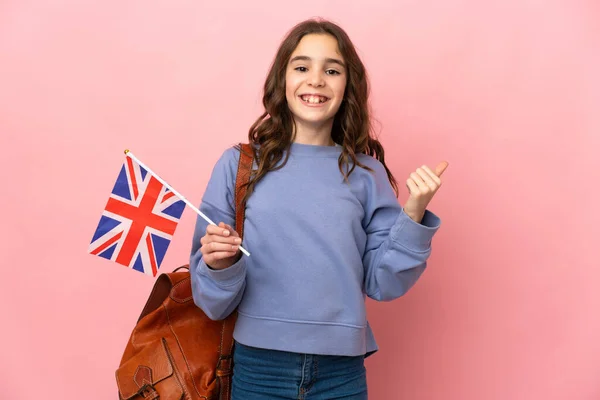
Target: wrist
{"type": "Point", "coordinates": [225, 263]}
{"type": "Point", "coordinates": [415, 216]}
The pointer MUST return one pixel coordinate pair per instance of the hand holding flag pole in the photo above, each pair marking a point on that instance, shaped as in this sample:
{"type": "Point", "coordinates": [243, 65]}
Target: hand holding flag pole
{"type": "Point", "coordinates": [200, 213]}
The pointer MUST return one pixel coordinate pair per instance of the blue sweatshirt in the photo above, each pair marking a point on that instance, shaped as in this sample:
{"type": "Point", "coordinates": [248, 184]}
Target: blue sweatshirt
{"type": "Point", "coordinates": [318, 246]}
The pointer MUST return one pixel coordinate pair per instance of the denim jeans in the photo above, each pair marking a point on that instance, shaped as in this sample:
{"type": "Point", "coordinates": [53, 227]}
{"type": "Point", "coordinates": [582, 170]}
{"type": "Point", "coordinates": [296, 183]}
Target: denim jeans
{"type": "Point", "coordinates": [260, 374]}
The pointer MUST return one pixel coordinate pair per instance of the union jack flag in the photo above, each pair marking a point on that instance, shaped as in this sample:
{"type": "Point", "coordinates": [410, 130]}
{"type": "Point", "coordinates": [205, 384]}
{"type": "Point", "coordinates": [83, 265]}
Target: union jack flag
{"type": "Point", "coordinates": [138, 221]}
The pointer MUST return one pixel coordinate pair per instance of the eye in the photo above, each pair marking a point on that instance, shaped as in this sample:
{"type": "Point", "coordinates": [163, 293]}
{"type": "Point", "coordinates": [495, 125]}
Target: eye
{"type": "Point", "coordinates": [332, 72]}
{"type": "Point", "coordinates": [301, 69]}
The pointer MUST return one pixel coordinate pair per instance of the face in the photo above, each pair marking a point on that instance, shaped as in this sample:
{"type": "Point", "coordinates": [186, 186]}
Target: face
{"type": "Point", "coordinates": [315, 80]}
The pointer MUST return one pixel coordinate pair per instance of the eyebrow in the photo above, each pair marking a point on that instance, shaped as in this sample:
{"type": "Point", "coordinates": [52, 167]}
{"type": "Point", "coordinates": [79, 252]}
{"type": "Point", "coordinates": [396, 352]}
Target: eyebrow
{"type": "Point", "coordinates": [327, 60]}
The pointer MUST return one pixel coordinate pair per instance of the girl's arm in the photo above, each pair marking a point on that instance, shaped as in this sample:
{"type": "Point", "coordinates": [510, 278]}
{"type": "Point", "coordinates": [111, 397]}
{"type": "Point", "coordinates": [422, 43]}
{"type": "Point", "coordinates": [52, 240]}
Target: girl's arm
{"type": "Point", "coordinates": [397, 247]}
{"type": "Point", "coordinates": [217, 292]}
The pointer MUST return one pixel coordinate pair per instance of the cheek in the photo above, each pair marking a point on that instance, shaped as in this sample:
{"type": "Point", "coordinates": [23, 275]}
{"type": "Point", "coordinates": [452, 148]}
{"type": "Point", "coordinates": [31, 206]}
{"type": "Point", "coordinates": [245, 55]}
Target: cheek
{"type": "Point", "coordinates": [290, 89]}
{"type": "Point", "coordinates": [291, 83]}
{"type": "Point", "coordinates": [340, 91]}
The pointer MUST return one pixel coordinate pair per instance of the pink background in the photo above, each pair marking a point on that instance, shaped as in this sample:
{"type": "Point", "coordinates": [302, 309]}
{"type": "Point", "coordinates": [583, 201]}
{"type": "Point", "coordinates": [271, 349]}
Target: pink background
{"type": "Point", "coordinates": [507, 91]}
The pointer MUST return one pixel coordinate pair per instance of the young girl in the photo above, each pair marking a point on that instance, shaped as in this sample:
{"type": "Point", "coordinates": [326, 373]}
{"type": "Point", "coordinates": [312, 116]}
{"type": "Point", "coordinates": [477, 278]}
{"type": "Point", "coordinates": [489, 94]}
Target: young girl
{"type": "Point", "coordinates": [323, 225]}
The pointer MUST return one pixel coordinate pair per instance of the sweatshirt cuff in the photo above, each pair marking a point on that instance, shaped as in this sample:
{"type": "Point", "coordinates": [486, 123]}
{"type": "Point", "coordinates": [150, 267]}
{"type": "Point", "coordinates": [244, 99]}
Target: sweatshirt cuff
{"type": "Point", "coordinates": [413, 235]}
{"type": "Point", "coordinates": [225, 277]}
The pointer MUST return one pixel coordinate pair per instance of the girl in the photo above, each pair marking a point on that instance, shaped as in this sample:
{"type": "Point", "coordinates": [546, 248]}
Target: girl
{"type": "Point", "coordinates": [323, 225]}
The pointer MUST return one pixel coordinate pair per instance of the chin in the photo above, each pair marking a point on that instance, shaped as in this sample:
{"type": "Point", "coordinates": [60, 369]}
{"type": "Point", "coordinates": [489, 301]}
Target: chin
{"type": "Point", "coordinates": [313, 119]}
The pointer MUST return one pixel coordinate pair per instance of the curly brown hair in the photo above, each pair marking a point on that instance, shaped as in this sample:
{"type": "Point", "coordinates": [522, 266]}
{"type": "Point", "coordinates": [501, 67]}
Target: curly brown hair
{"type": "Point", "coordinates": [273, 131]}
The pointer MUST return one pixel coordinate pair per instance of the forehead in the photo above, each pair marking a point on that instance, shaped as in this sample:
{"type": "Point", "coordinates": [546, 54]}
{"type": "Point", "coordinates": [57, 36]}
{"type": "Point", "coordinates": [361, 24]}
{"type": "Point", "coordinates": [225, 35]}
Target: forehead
{"type": "Point", "coordinates": [318, 46]}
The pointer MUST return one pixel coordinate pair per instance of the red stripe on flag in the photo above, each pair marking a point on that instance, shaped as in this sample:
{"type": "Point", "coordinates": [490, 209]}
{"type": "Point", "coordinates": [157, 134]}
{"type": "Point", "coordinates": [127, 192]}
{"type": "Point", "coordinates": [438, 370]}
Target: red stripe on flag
{"type": "Point", "coordinates": [151, 254]}
{"type": "Point", "coordinates": [168, 196]}
{"type": "Point", "coordinates": [132, 177]}
{"type": "Point", "coordinates": [107, 244]}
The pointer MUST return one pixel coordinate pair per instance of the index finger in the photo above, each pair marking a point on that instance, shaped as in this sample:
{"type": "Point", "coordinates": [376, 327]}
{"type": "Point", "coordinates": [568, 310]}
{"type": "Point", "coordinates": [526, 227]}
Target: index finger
{"type": "Point", "coordinates": [218, 230]}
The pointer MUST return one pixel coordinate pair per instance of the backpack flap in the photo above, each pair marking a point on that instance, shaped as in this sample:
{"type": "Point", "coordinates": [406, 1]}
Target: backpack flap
{"type": "Point", "coordinates": [145, 375]}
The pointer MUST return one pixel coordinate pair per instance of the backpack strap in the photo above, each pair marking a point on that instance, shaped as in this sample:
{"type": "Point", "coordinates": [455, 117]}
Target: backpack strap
{"type": "Point", "coordinates": [225, 364]}
{"type": "Point", "coordinates": [243, 177]}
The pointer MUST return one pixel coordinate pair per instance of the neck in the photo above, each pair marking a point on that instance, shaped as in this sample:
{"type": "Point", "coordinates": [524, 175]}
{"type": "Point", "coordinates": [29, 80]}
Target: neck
{"type": "Point", "coordinates": [314, 135]}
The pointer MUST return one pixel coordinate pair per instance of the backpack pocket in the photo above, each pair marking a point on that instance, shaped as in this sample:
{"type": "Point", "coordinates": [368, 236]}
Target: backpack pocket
{"type": "Point", "coordinates": [149, 375]}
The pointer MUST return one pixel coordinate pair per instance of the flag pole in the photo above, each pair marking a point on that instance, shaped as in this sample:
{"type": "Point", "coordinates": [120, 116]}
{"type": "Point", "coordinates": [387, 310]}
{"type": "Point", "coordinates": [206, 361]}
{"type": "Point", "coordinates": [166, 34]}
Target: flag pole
{"type": "Point", "coordinates": [200, 213]}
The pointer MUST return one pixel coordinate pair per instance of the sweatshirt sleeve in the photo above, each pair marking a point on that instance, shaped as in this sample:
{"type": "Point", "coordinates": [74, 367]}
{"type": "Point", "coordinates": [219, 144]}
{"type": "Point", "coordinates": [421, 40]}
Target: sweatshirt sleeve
{"type": "Point", "coordinates": [217, 292]}
{"type": "Point", "coordinates": [397, 247]}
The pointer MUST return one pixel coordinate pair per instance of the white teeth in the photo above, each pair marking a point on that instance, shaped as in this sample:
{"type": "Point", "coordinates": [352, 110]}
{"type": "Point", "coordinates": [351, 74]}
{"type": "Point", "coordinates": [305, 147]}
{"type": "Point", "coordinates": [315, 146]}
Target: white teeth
{"type": "Point", "coordinates": [313, 99]}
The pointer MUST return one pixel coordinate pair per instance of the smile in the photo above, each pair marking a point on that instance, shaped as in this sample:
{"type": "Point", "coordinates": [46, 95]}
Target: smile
{"type": "Point", "coordinates": [312, 99]}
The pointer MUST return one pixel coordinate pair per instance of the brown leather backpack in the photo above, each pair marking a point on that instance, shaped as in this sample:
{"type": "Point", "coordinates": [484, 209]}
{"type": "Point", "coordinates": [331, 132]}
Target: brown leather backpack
{"type": "Point", "coordinates": [175, 351]}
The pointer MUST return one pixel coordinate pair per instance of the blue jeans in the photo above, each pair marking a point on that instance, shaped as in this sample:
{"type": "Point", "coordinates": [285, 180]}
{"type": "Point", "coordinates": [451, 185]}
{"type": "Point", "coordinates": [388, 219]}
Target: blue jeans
{"type": "Point", "coordinates": [260, 374]}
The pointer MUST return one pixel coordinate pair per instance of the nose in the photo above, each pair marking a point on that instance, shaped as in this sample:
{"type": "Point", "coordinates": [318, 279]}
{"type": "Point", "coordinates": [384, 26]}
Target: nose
{"type": "Point", "coordinates": [315, 79]}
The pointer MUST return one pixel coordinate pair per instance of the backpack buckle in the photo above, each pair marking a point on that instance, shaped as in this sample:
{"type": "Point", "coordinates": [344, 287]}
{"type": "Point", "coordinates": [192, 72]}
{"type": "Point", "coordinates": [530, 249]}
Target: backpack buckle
{"type": "Point", "coordinates": [224, 366]}
{"type": "Point", "coordinates": [148, 392]}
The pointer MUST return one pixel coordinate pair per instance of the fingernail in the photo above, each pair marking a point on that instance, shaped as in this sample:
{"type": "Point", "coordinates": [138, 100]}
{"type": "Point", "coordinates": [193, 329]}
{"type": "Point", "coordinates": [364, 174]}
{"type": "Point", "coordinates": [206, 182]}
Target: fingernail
{"type": "Point", "coordinates": [238, 240]}
{"type": "Point", "coordinates": [226, 233]}
{"type": "Point", "coordinates": [234, 247]}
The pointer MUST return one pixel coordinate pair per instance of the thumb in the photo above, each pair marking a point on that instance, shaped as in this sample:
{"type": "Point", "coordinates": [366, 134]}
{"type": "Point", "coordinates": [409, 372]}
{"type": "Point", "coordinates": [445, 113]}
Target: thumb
{"type": "Point", "coordinates": [441, 167]}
